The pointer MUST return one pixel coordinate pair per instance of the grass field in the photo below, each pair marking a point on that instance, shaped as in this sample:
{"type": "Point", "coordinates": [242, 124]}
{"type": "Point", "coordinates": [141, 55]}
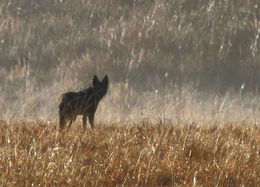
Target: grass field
{"type": "Point", "coordinates": [38, 154]}
{"type": "Point", "coordinates": [182, 106]}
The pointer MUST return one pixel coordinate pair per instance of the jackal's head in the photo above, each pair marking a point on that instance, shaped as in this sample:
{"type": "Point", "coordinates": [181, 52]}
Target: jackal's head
{"type": "Point", "coordinates": [100, 86]}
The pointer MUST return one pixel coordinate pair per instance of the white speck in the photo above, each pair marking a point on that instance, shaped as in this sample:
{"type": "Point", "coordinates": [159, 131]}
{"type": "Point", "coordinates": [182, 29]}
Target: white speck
{"type": "Point", "coordinates": [8, 140]}
{"type": "Point", "coordinates": [153, 149]}
{"type": "Point", "coordinates": [190, 153]}
{"type": "Point", "coordinates": [242, 86]}
{"type": "Point", "coordinates": [194, 179]}
{"type": "Point", "coordinates": [56, 148]}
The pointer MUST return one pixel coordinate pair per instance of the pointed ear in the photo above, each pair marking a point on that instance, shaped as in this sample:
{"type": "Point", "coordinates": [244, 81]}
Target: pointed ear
{"type": "Point", "coordinates": [105, 80]}
{"type": "Point", "coordinates": [95, 81]}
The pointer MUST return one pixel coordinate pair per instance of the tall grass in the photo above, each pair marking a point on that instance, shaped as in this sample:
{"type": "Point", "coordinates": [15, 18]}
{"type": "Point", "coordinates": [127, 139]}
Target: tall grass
{"type": "Point", "coordinates": [182, 106]}
{"type": "Point", "coordinates": [35, 153]}
{"type": "Point", "coordinates": [178, 104]}
{"type": "Point", "coordinates": [158, 55]}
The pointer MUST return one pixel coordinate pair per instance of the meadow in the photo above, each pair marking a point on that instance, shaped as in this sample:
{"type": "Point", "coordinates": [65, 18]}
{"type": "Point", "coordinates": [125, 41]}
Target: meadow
{"type": "Point", "coordinates": [143, 154]}
{"type": "Point", "coordinates": [182, 107]}
{"type": "Point", "coordinates": [159, 55]}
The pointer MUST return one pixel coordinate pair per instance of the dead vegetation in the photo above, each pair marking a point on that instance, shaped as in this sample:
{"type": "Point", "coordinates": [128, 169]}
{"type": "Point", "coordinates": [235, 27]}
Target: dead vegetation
{"type": "Point", "coordinates": [36, 154]}
{"type": "Point", "coordinates": [152, 50]}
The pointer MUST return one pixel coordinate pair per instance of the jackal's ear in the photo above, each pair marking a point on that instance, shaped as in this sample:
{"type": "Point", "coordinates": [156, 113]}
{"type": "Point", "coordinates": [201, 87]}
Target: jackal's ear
{"type": "Point", "coordinates": [95, 81]}
{"type": "Point", "coordinates": [105, 80]}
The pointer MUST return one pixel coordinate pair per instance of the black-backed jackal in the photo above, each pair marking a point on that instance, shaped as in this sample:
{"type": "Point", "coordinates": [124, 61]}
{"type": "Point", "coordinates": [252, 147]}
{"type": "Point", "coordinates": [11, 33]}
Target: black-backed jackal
{"type": "Point", "coordinates": [83, 103]}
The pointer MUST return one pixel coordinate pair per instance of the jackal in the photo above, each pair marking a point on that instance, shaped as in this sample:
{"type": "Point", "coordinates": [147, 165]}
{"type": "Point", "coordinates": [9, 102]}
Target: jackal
{"type": "Point", "coordinates": [83, 103]}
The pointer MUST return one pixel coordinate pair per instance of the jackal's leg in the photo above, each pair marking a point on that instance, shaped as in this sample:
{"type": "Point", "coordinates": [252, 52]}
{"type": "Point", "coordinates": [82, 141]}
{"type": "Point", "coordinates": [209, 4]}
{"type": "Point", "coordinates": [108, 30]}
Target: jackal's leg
{"type": "Point", "coordinates": [70, 123]}
{"type": "Point", "coordinates": [62, 121]}
{"type": "Point", "coordinates": [84, 121]}
{"type": "Point", "coordinates": [91, 120]}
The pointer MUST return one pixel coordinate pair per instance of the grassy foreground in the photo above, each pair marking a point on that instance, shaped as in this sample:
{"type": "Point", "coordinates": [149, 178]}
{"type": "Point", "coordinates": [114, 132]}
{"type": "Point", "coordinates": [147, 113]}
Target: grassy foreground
{"type": "Point", "coordinates": [37, 154]}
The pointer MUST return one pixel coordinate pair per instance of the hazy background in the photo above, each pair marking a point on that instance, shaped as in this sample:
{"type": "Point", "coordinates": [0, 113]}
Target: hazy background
{"type": "Point", "coordinates": [176, 60]}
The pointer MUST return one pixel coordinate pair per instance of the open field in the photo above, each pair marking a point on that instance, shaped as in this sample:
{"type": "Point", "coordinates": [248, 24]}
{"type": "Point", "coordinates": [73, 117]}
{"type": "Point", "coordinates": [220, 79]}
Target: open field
{"type": "Point", "coordinates": [37, 154]}
{"type": "Point", "coordinates": [182, 108]}
{"type": "Point", "coordinates": [178, 60]}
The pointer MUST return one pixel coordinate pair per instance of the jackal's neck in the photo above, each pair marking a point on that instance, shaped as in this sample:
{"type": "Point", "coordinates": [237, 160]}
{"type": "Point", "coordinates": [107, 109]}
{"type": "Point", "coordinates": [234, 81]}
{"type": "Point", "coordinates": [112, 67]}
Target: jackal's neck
{"type": "Point", "coordinates": [87, 90]}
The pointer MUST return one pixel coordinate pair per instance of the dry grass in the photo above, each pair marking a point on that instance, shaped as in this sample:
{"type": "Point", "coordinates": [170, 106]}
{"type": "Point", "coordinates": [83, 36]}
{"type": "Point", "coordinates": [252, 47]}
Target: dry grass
{"type": "Point", "coordinates": [150, 50]}
{"type": "Point", "coordinates": [37, 154]}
